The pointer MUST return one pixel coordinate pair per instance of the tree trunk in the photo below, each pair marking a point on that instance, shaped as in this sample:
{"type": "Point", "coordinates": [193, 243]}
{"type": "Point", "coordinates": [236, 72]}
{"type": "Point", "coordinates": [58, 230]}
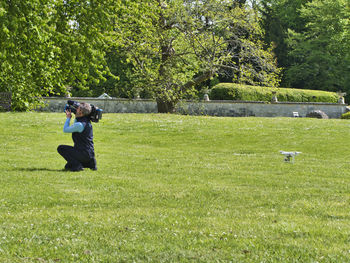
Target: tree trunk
{"type": "Point", "coordinates": [165, 106]}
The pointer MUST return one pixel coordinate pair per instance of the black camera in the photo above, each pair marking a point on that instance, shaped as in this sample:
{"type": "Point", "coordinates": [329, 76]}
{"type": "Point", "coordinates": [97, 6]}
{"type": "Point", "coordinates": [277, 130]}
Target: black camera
{"type": "Point", "coordinates": [95, 115]}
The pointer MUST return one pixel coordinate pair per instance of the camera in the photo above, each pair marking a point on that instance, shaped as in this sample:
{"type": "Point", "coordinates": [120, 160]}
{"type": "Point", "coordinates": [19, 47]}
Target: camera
{"type": "Point", "coordinates": [95, 115]}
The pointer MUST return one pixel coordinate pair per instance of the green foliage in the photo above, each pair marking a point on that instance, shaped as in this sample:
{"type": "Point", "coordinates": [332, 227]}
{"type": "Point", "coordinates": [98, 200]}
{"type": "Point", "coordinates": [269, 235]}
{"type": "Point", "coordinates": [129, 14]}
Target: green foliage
{"type": "Point", "coordinates": [175, 46]}
{"type": "Point", "coordinates": [49, 45]}
{"type": "Point", "coordinates": [122, 86]}
{"type": "Point", "coordinates": [278, 17]}
{"type": "Point", "coordinates": [174, 188]}
{"type": "Point", "coordinates": [26, 51]}
{"type": "Point", "coordinates": [160, 49]}
{"type": "Point", "coordinates": [321, 54]}
{"type": "Point", "coordinates": [346, 115]}
{"type": "Point", "coordinates": [230, 91]}
{"type": "Point", "coordinates": [311, 42]}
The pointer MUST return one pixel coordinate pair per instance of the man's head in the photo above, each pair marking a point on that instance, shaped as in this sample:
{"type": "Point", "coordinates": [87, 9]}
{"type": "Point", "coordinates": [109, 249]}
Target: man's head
{"type": "Point", "coordinates": [84, 109]}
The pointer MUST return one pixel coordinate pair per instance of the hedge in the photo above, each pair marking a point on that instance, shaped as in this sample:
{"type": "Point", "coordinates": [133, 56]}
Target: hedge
{"type": "Point", "coordinates": [232, 91]}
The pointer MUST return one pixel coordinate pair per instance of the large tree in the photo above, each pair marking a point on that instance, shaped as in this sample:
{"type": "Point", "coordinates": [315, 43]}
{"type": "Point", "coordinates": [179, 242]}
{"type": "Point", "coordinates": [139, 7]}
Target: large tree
{"type": "Point", "coordinates": [278, 18]}
{"type": "Point", "coordinates": [310, 39]}
{"type": "Point", "coordinates": [175, 45]}
{"type": "Point", "coordinates": [321, 57]}
{"type": "Point", "coordinates": [27, 54]}
{"type": "Point", "coordinates": [47, 46]}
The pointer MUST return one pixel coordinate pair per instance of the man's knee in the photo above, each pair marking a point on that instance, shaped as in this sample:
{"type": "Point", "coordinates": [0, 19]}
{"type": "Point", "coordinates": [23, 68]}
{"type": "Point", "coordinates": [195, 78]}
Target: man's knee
{"type": "Point", "coordinates": [60, 149]}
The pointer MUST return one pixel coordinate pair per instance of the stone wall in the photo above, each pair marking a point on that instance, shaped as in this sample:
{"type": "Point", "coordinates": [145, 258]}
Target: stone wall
{"type": "Point", "coordinates": [260, 109]}
{"type": "Point", "coordinates": [108, 105]}
{"type": "Point", "coordinates": [212, 108]}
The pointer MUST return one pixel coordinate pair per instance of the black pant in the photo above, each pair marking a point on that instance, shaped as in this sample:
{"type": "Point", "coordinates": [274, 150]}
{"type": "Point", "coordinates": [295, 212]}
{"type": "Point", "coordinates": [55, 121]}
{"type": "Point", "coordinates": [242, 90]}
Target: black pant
{"type": "Point", "coordinates": [76, 160]}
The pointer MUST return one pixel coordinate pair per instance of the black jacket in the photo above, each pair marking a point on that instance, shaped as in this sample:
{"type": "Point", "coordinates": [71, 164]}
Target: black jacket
{"type": "Point", "coordinates": [83, 141]}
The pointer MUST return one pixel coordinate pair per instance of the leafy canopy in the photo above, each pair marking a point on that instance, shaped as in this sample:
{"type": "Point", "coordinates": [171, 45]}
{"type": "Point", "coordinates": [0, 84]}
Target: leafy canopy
{"type": "Point", "coordinates": [175, 45]}
{"type": "Point", "coordinates": [48, 45]}
{"type": "Point", "coordinates": [321, 55]}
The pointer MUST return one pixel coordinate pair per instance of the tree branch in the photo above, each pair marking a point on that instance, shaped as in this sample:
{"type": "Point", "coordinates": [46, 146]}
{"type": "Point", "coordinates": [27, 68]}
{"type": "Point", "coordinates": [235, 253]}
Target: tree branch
{"type": "Point", "coordinates": [205, 76]}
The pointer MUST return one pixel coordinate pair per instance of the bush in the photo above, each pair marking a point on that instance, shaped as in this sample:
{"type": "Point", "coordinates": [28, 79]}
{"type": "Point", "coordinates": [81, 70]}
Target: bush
{"type": "Point", "coordinates": [232, 91]}
{"type": "Point", "coordinates": [346, 115]}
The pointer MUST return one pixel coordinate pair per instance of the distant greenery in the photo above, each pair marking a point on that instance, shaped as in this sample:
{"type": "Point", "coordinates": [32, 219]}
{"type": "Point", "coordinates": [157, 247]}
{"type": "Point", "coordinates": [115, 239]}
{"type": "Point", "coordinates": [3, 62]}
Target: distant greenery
{"type": "Point", "coordinates": [320, 55]}
{"type": "Point", "coordinates": [181, 44]}
{"type": "Point", "coordinates": [231, 91]}
{"type": "Point", "coordinates": [170, 50]}
{"type": "Point", "coordinates": [155, 48]}
{"type": "Point", "coordinates": [311, 40]}
{"type": "Point", "coordinates": [174, 188]}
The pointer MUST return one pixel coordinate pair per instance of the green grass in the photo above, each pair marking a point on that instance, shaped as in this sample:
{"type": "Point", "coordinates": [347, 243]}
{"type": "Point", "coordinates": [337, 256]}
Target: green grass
{"type": "Point", "coordinates": [173, 188]}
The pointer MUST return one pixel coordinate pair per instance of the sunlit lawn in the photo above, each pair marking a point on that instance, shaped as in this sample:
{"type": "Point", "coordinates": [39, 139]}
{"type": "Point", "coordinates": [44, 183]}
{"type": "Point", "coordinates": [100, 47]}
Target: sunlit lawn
{"type": "Point", "coordinates": [173, 188]}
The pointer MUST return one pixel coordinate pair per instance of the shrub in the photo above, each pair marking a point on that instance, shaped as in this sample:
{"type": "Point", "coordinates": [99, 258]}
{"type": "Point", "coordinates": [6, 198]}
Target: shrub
{"type": "Point", "coordinates": [346, 115]}
{"type": "Point", "coordinates": [232, 91]}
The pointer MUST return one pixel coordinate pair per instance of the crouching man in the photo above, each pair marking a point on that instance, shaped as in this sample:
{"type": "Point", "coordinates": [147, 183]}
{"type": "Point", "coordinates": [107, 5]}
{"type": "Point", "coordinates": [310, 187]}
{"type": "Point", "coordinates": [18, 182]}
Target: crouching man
{"type": "Point", "coordinates": [82, 154]}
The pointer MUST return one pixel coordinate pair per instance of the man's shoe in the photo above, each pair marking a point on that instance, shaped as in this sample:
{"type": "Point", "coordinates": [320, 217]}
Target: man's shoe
{"type": "Point", "coordinates": [91, 164]}
{"type": "Point", "coordinates": [68, 166]}
{"type": "Point", "coordinates": [78, 169]}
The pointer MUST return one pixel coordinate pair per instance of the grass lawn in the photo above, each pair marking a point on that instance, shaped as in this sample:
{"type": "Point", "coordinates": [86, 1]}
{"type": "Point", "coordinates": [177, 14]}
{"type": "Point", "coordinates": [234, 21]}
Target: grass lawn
{"type": "Point", "coordinates": [173, 188]}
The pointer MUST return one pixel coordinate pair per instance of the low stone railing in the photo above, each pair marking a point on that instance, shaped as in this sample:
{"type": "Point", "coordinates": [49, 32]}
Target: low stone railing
{"type": "Point", "coordinates": [211, 108]}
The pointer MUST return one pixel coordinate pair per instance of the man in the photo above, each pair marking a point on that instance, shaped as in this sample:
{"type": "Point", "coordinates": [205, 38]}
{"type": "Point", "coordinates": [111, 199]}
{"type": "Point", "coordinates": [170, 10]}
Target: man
{"type": "Point", "coordinates": [82, 154]}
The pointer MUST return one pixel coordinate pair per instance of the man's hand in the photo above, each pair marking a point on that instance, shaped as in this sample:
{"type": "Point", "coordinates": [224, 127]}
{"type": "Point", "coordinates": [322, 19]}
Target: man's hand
{"type": "Point", "coordinates": [68, 114]}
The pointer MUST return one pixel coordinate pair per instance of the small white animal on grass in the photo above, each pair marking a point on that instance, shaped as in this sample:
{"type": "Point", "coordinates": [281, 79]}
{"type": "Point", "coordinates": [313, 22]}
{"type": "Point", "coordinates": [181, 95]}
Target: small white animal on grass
{"type": "Point", "coordinates": [288, 156]}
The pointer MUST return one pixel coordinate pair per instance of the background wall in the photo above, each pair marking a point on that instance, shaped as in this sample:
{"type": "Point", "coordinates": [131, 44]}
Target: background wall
{"type": "Point", "coordinates": [212, 108]}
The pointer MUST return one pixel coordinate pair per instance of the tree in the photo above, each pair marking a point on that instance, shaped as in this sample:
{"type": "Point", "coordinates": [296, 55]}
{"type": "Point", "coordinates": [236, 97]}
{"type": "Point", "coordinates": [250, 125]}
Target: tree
{"type": "Point", "coordinates": [321, 55]}
{"type": "Point", "coordinates": [26, 50]}
{"type": "Point", "coordinates": [118, 84]}
{"type": "Point", "coordinates": [175, 45]}
{"type": "Point", "coordinates": [48, 45]}
{"type": "Point", "coordinates": [278, 18]}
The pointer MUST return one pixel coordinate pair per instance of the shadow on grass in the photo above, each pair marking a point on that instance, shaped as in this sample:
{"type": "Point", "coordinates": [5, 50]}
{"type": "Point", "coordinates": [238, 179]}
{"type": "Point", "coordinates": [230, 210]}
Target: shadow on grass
{"type": "Point", "coordinates": [38, 169]}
